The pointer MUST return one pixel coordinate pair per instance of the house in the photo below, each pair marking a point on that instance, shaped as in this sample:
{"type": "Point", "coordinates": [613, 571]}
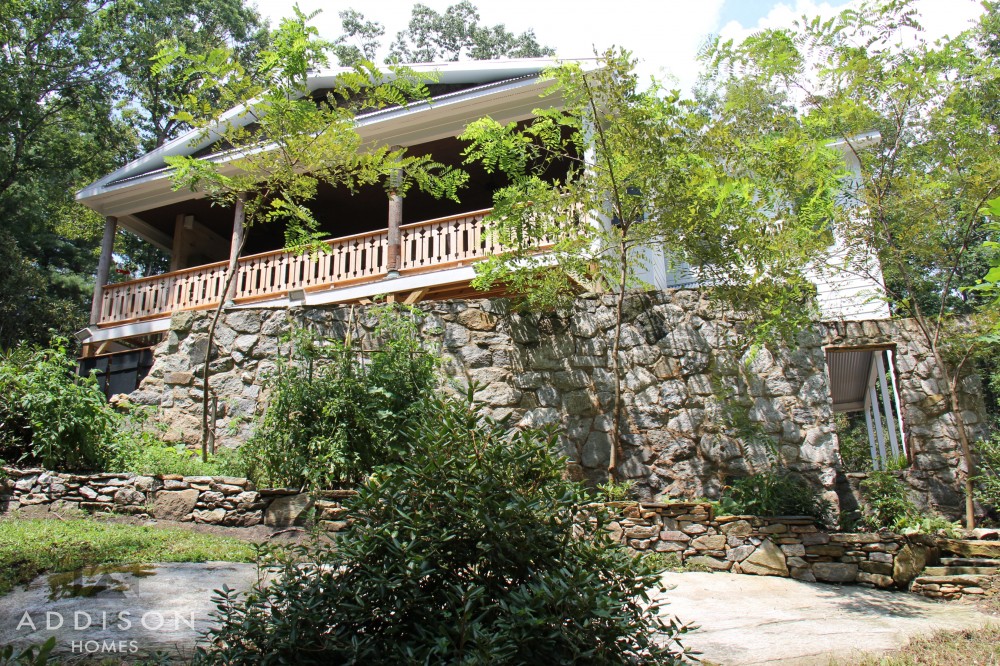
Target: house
{"type": "Point", "coordinates": [436, 241]}
{"type": "Point", "coordinates": [433, 242]}
{"type": "Point", "coordinates": [425, 250]}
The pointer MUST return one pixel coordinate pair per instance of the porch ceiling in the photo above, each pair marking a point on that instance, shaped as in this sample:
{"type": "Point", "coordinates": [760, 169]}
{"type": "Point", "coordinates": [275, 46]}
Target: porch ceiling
{"type": "Point", "coordinates": [848, 371]}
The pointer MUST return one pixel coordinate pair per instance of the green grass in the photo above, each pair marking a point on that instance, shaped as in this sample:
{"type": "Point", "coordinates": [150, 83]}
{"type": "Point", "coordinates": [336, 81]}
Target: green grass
{"type": "Point", "coordinates": [29, 548]}
{"type": "Point", "coordinates": [968, 648]}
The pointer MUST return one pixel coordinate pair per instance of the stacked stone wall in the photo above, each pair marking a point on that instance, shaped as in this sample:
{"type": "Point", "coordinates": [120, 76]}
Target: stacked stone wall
{"type": "Point", "coordinates": [786, 546]}
{"type": "Point", "coordinates": [793, 547]}
{"type": "Point", "coordinates": [212, 500]}
{"type": "Point", "coordinates": [698, 411]}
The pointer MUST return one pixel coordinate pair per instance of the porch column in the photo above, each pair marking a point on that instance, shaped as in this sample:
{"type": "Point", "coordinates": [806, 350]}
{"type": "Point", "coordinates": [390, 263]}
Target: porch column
{"type": "Point", "coordinates": [177, 249]}
{"type": "Point", "coordinates": [103, 266]}
{"type": "Point", "coordinates": [393, 263]}
{"type": "Point", "coordinates": [235, 247]}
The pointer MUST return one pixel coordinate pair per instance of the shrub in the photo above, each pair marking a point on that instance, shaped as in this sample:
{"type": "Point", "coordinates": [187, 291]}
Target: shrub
{"type": "Point", "coordinates": [772, 493]}
{"type": "Point", "coordinates": [613, 491]}
{"type": "Point", "coordinates": [50, 416]}
{"type": "Point", "coordinates": [886, 506]}
{"type": "Point", "coordinates": [338, 411]}
{"type": "Point", "coordinates": [988, 479]}
{"type": "Point", "coordinates": [137, 446]}
{"type": "Point", "coordinates": [464, 551]}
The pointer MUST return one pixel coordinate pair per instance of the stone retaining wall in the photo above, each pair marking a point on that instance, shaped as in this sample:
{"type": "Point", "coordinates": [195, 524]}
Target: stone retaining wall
{"type": "Point", "coordinates": [782, 546]}
{"type": "Point", "coordinates": [773, 546]}
{"type": "Point", "coordinates": [214, 500]}
{"type": "Point", "coordinates": [697, 412]}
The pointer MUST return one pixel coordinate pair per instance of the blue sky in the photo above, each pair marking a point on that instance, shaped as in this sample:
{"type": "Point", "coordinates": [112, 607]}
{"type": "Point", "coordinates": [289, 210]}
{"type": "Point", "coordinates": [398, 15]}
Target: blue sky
{"type": "Point", "coordinates": [748, 12]}
{"type": "Point", "coordinates": [664, 34]}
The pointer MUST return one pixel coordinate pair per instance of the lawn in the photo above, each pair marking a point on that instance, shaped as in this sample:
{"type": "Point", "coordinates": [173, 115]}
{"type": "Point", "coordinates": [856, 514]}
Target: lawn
{"type": "Point", "coordinates": [968, 648]}
{"type": "Point", "coordinates": [29, 548]}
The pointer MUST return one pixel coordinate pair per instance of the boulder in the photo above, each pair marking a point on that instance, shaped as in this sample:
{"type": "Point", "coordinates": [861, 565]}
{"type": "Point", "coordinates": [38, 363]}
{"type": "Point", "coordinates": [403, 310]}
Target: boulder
{"type": "Point", "coordinates": [174, 504]}
{"type": "Point", "coordinates": [767, 560]}
{"type": "Point", "coordinates": [288, 511]}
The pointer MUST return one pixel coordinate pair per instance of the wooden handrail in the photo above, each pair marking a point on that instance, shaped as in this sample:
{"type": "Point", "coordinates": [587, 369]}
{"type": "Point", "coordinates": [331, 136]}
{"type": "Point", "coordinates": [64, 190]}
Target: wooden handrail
{"type": "Point", "coordinates": [348, 260]}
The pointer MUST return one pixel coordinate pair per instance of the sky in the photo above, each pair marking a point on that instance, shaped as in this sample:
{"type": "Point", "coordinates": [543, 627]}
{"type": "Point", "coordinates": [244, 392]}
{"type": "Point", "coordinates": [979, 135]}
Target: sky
{"type": "Point", "coordinates": [665, 35]}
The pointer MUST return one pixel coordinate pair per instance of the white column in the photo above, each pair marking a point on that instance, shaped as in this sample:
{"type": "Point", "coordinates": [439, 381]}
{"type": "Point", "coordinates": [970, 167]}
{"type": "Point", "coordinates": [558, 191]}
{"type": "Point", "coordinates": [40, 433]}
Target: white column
{"type": "Point", "coordinates": [871, 435]}
{"type": "Point", "coordinates": [890, 421]}
{"type": "Point", "coordinates": [103, 267]}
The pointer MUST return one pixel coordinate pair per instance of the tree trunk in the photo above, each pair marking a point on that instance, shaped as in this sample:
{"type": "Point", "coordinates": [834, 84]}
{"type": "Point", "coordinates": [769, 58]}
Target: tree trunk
{"type": "Point", "coordinates": [615, 430]}
{"type": "Point", "coordinates": [239, 239]}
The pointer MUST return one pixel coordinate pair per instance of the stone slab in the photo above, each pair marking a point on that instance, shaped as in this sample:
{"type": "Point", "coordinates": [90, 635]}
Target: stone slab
{"type": "Point", "coordinates": [746, 620]}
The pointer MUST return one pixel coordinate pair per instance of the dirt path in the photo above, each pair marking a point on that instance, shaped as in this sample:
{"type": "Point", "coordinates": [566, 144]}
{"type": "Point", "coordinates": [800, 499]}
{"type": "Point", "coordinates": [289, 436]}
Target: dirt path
{"type": "Point", "coordinates": [765, 620]}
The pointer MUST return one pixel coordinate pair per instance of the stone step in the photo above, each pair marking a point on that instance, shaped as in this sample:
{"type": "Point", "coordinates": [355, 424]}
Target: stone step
{"type": "Point", "coordinates": [960, 571]}
{"type": "Point", "coordinates": [959, 580]}
{"type": "Point", "coordinates": [971, 548]}
{"type": "Point", "coordinates": [969, 562]}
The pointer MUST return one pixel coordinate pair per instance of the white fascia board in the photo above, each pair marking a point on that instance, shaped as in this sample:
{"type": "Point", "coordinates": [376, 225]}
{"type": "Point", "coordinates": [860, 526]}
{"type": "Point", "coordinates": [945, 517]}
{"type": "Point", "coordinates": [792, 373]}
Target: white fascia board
{"type": "Point", "coordinates": [129, 330]}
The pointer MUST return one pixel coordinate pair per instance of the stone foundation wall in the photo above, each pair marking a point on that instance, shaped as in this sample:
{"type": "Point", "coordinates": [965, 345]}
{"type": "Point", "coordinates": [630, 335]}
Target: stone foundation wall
{"type": "Point", "coordinates": [697, 411]}
{"type": "Point", "coordinates": [218, 500]}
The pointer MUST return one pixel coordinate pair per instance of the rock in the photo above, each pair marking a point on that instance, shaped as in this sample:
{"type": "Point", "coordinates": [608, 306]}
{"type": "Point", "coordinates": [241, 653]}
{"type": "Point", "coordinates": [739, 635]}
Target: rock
{"type": "Point", "coordinates": [716, 542]}
{"type": "Point", "coordinates": [835, 572]}
{"type": "Point", "coordinates": [740, 553]}
{"type": "Point", "coordinates": [143, 483]}
{"type": "Point", "coordinates": [129, 496]}
{"type": "Point", "coordinates": [737, 528]}
{"type": "Point", "coordinates": [710, 562]}
{"type": "Point", "coordinates": [908, 563]}
{"type": "Point", "coordinates": [766, 560]}
{"type": "Point", "coordinates": [213, 517]}
{"type": "Point", "coordinates": [174, 504]}
{"type": "Point", "coordinates": [288, 511]}
{"type": "Point", "coordinates": [87, 493]}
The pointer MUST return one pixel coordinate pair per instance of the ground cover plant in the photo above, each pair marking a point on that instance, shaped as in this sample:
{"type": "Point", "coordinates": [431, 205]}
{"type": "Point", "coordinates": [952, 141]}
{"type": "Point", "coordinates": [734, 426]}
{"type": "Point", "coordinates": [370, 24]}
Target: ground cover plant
{"type": "Point", "coordinates": [463, 551]}
{"type": "Point", "coordinates": [339, 409]}
{"type": "Point", "coordinates": [887, 506]}
{"type": "Point", "coordinates": [972, 646]}
{"type": "Point", "coordinates": [71, 544]}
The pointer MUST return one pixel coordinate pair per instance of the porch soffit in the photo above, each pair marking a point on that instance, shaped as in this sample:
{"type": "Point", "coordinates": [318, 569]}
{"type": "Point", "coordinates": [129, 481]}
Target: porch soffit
{"type": "Point", "coordinates": [120, 194]}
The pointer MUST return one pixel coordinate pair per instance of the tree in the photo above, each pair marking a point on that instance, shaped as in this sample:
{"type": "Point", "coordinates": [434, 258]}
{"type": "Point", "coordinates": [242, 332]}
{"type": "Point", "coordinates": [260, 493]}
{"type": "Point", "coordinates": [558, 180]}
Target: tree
{"type": "Point", "coordinates": [455, 34]}
{"type": "Point", "coordinates": [133, 31]}
{"type": "Point", "coordinates": [744, 211]}
{"type": "Point", "coordinates": [79, 101]}
{"type": "Point", "coordinates": [924, 186]}
{"type": "Point", "coordinates": [285, 141]}
{"type": "Point", "coordinates": [469, 550]}
{"type": "Point", "coordinates": [57, 130]}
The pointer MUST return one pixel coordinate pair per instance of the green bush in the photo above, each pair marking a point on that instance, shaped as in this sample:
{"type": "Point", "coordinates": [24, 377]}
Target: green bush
{"type": "Point", "coordinates": [988, 479]}
{"type": "Point", "coordinates": [887, 506]}
{"type": "Point", "coordinates": [49, 416]}
{"type": "Point", "coordinates": [464, 551]}
{"type": "Point", "coordinates": [775, 492]}
{"type": "Point", "coordinates": [137, 446]}
{"type": "Point", "coordinates": [337, 411]}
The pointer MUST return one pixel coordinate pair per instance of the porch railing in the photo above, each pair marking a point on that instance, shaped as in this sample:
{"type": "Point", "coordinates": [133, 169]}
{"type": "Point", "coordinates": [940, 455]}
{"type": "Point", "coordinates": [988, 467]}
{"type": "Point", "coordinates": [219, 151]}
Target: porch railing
{"type": "Point", "coordinates": [430, 245]}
